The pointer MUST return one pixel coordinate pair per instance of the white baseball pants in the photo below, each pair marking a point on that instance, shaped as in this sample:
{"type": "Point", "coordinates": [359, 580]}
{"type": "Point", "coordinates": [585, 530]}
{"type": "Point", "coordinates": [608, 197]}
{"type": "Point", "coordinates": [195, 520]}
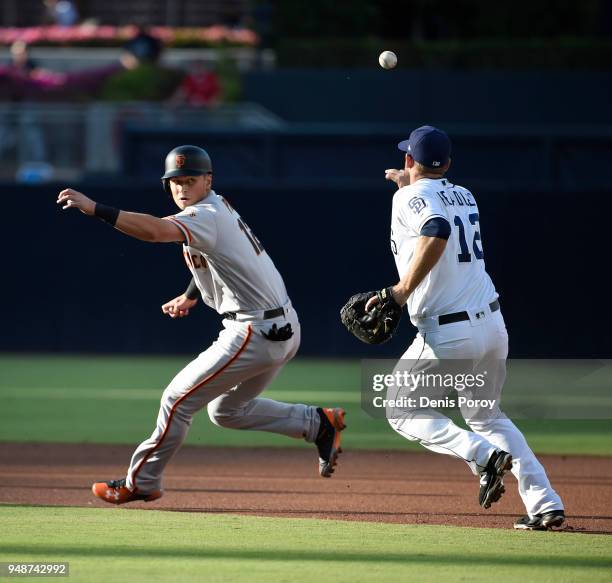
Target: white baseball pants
{"type": "Point", "coordinates": [483, 340]}
{"type": "Point", "coordinates": [227, 377]}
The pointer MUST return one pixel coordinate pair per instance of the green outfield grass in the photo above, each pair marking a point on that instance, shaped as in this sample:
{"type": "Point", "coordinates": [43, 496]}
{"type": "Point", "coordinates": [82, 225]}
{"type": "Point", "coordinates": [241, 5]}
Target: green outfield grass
{"type": "Point", "coordinates": [115, 400]}
{"type": "Point", "coordinates": [118, 544]}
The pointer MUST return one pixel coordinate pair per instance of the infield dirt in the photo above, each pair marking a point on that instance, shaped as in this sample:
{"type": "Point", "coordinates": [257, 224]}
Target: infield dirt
{"type": "Point", "coordinates": [399, 487]}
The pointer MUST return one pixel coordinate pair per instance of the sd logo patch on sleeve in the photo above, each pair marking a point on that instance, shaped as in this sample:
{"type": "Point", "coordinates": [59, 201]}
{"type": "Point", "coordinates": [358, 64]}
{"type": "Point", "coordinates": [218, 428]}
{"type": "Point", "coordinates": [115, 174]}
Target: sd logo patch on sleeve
{"type": "Point", "coordinates": [416, 204]}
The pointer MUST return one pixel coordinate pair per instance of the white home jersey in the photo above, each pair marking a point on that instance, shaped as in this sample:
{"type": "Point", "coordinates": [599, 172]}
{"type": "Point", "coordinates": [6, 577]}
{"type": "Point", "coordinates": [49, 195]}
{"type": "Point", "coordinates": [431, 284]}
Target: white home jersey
{"type": "Point", "coordinates": [230, 267]}
{"type": "Point", "coordinates": [458, 281]}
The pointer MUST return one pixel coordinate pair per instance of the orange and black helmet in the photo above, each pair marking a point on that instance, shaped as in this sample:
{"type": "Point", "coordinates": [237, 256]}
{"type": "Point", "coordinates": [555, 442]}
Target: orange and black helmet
{"type": "Point", "coordinates": [186, 161]}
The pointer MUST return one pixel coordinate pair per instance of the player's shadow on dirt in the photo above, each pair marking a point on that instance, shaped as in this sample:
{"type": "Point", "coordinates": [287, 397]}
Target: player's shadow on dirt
{"type": "Point", "coordinates": [318, 555]}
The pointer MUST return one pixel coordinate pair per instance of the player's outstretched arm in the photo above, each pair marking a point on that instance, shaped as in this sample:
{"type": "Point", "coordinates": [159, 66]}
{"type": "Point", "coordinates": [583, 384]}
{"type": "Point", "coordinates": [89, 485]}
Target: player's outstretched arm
{"type": "Point", "coordinates": [400, 177]}
{"type": "Point", "coordinates": [140, 226]}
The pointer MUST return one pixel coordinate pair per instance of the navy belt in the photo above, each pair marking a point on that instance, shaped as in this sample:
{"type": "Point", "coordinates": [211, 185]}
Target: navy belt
{"type": "Point", "coordinates": [461, 316]}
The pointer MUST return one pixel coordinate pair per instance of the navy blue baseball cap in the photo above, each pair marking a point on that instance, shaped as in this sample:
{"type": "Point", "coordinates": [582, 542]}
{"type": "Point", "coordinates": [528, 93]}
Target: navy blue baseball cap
{"type": "Point", "coordinates": [428, 145]}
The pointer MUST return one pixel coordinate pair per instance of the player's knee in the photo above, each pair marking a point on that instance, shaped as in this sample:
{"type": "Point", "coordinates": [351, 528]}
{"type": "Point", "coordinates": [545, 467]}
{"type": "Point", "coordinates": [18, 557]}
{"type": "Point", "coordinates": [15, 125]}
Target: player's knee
{"type": "Point", "coordinates": [172, 393]}
{"type": "Point", "coordinates": [398, 425]}
{"type": "Point", "coordinates": [479, 425]}
{"type": "Point", "coordinates": [489, 421]}
{"type": "Point", "coordinates": [222, 417]}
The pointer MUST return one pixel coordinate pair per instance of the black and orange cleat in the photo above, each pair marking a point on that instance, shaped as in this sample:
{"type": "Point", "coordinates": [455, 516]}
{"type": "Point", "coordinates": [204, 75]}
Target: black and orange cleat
{"type": "Point", "coordinates": [328, 439]}
{"type": "Point", "coordinates": [116, 492]}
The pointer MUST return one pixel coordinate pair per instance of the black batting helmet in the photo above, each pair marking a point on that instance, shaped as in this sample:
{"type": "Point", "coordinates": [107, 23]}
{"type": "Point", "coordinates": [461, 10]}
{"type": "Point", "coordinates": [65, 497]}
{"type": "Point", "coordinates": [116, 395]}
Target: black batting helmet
{"type": "Point", "coordinates": [186, 161]}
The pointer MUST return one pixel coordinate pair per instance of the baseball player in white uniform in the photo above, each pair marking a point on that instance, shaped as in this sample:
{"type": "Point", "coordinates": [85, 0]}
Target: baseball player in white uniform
{"type": "Point", "coordinates": [438, 250]}
{"type": "Point", "coordinates": [235, 276]}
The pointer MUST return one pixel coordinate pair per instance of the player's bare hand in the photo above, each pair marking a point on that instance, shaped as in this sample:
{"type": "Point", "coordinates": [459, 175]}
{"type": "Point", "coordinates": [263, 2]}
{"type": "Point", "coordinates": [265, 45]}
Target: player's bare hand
{"type": "Point", "coordinates": [69, 198]}
{"type": "Point", "coordinates": [179, 307]}
{"type": "Point", "coordinates": [398, 176]}
{"type": "Point", "coordinates": [371, 303]}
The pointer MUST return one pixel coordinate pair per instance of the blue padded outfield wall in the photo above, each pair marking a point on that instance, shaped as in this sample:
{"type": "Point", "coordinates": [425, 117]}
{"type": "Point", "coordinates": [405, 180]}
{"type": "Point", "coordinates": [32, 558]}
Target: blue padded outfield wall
{"type": "Point", "coordinates": [76, 285]}
{"type": "Point", "coordinates": [481, 97]}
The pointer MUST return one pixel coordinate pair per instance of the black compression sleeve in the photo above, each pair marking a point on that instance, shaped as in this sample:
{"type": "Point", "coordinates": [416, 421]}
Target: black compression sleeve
{"type": "Point", "coordinates": [192, 291]}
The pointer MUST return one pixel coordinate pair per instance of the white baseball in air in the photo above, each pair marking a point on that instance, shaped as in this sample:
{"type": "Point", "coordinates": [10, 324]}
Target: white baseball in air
{"type": "Point", "coordinates": [387, 59]}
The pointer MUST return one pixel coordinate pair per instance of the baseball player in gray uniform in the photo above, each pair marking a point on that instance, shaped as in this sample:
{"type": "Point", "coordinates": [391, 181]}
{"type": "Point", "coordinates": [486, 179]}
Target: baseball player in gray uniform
{"type": "Point", "coordinates": [438, 250]}
{"type": "Point", "coordinates": [234, 275]}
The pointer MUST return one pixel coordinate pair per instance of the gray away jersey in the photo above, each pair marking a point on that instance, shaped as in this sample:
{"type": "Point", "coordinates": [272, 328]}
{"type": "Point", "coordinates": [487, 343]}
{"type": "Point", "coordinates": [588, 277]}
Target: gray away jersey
{"type": "Point", "coordinates": [231, 268]}
{"type": "Point", "coordinates": [458, 281]}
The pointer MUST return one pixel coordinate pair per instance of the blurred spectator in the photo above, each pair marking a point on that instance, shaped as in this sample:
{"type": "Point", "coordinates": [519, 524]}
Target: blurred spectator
{"type": "Point", "coordinates": [200, 87]}
{"type": "Point", "coordinates": [20, 57]}
{"type": "Point", "coordinates": [145, 78]}
{"type": "Point", "coordinates": [144, 46]}
{"type": "Point", "coordinates": [61, 12]}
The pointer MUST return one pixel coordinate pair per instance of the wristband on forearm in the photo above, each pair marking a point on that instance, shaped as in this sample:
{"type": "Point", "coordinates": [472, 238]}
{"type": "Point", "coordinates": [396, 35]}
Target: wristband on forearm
{"type": "Point", "coordinates": [108, 214]}
{"type": "Point", "coordinates": [192, 291]}
{"type": "Point", "coordinates": [385, 296]}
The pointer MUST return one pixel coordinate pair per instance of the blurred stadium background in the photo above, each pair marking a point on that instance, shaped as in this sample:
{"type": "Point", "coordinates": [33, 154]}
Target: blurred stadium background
{"type": "Point", "coordinates": [300, 122]}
